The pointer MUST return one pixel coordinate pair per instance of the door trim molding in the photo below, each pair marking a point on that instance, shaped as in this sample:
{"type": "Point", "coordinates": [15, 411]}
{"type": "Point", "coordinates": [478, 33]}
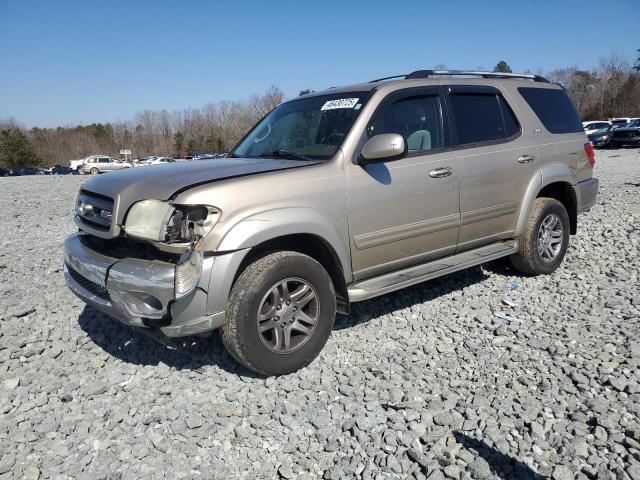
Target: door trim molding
{"type": "Point", "coordinates": [488, 213]}
{"type": "Point", "coordinates": [390, 235]}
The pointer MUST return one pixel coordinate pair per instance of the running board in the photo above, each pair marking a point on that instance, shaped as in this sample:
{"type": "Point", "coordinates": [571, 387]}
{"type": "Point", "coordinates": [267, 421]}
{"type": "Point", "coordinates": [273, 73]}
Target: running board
{"type": "Point", "coordinates": [390, 282]}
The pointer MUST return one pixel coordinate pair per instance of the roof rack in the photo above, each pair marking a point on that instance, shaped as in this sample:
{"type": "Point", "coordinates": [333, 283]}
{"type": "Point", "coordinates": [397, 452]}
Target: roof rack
{"type": "Point", "coordinates": [431, 73]}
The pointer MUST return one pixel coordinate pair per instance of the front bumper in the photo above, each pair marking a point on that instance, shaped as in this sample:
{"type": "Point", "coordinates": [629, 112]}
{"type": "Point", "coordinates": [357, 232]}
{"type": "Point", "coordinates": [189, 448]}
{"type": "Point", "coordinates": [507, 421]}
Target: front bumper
{"type": "Point", "coordinates": [138, 292]}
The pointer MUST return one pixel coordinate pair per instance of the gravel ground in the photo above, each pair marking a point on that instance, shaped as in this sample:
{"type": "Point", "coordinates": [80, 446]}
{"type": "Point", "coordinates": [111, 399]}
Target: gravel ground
{"type": "Point", "coordinates": [421, 383]}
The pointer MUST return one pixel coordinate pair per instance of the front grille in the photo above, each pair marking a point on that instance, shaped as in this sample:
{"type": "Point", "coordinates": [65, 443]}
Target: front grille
{"type": "Point", "coordinates": [98, 290]}
{"type": "Point", "coordinates": [95, 210]}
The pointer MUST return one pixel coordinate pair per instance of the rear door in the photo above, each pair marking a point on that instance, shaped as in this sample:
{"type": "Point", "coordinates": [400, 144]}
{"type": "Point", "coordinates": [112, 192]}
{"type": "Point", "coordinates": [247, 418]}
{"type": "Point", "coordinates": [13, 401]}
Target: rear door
{"type": "Point", "coordinates": [404, 212]}
{"type": "Point", "coordinates": [558, 134]}
{"type": "Point", "coordinates": [497, 161]}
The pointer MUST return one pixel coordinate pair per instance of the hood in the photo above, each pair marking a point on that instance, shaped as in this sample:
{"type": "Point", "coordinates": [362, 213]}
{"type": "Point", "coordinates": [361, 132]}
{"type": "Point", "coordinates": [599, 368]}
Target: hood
{"type": "Point", "coordinates": [161, 182]}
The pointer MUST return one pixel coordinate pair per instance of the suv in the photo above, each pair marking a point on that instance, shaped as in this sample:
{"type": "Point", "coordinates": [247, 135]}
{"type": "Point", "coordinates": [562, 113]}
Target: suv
{"type": "Point", "coordinates": [333, 198]}
{"type": "Point", "coordinates": [98, 164]}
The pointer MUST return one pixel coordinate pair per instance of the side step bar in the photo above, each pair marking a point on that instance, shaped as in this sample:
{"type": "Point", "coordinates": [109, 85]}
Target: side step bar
{"type": "Point", "coordinates": [390, 282]}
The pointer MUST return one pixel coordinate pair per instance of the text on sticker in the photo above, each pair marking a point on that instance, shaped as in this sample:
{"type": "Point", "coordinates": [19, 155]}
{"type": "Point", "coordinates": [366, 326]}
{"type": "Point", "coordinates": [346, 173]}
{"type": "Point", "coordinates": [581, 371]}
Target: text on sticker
{"type": "Point", "coordinates": [339, 103]}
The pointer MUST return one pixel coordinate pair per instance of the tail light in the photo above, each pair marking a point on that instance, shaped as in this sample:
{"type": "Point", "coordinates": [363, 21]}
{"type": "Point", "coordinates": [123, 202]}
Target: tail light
{"type": "Point", "coordinates": [591, 153]}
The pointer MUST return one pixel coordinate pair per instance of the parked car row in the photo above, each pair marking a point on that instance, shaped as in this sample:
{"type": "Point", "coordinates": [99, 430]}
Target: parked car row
{"type": "Point", "coordinates": [614, 133]}
{"type": "Point", "coordinates": [56, 170]}
{"type": "Point", "coordinates": [95, 164]}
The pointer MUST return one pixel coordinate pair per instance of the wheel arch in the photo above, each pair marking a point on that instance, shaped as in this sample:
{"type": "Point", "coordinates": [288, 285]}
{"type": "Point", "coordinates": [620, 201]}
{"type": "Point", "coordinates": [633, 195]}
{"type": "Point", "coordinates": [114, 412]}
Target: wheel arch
{"type": "Point", "coordinates": [565, 194]}
{"type": "Point", "coordinates": [554, 181]}
{"type": "Point", "coordinates": [307, 244]}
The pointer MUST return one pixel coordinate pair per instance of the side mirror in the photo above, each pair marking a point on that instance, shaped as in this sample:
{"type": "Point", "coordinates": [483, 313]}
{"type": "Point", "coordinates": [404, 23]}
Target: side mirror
{"type": "Point", "coordinates": [383, 148]}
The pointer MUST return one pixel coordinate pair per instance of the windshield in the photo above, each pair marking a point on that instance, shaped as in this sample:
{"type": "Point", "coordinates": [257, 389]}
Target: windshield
{"type": "Point", "coordinates": [309, 128]}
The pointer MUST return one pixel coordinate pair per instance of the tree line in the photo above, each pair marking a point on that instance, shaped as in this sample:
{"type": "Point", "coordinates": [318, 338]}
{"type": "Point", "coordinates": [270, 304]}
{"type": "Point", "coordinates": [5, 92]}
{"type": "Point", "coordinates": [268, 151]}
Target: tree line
{"type": "Point", "coordinates": [610, 89]}
{"type": "Point", "coordinates": [216, 127]}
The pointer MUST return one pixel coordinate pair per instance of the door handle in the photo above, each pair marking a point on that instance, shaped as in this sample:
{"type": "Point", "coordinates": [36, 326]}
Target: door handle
{"type": "Point", "coordinates": [526, 158]}
{"type": "Point", "coordinates": [440, 172]}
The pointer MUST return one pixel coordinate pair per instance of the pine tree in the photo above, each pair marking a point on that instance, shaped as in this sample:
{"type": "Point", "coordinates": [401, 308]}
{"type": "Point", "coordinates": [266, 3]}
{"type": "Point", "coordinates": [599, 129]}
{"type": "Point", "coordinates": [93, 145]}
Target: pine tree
{"type": "Point", "coordinates": [16, 150]}
{"type": "Point", "coordinates": [637, 65]}
{"type": "Point", "coordinates": [191, 147]}
{"type": "Point", "coordinates": [211, 142]}
{"type": "Point", "coordinates": [178, 140]}
{"type": "Point", "coordinates": [502, 67]}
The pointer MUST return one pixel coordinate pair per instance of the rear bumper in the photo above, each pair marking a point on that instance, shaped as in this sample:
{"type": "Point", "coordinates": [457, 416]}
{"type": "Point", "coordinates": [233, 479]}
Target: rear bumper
{"type": "Point", "coordinates": [138, 292]}
{"type": "Point", "coordinates": [586, 193]}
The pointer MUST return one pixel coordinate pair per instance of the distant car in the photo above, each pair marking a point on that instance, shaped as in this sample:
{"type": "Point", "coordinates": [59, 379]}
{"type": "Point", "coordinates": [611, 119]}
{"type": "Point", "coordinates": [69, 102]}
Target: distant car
{"type": "Point", "coordinates": [139, 162]}
{"type": "Point", "coordinates": [624, 137]}
{"type": "Point", "coordinates": [601, 137]}
{"type": "Point", "coordinates": [623, 121]}
{"type": "Point", "coordinates": [6, 172]}
{"type": "Point", "coordinates": [31, 171]}
{"type": "Point", "coordinates": [591, 127]}
{"type": "Point", "coordinates": [161, 161]}
{"type": "Point", "coordinates": [95, 165]}
{"type": "Point", "coordinates": [62, 170]}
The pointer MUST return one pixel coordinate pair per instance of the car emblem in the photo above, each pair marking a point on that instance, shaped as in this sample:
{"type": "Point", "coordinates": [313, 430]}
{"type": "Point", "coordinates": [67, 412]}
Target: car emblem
{"type": "Point", "coordinates": [84, 208]}
{"type": "Point", "coordinates": [105, 214]}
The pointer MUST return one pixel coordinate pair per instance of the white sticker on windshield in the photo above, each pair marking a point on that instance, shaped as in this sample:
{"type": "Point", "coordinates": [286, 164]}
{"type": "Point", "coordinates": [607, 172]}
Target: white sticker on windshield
{"type": "Point", "coordinates": [339, 103]}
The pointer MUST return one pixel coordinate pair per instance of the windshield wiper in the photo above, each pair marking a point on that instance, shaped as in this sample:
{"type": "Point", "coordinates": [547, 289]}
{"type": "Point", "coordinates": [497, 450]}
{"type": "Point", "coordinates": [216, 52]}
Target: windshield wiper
{"type": "Point", "coordinates": [285, 154]}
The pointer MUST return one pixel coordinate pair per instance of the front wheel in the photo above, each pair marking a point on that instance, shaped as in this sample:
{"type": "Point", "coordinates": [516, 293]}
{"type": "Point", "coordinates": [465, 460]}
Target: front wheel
{"type": "Point", "coordinates": [280, 313]}
{"type": "Point", "coordinates": [94, 171]}
{"type": "Point", "coordinates": [545, 239]}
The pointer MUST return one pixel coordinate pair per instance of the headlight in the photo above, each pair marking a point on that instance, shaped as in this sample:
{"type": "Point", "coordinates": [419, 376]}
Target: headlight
{"type": "Point", "coordinates": [188, 272]}
{"type": "Point", "coordinates": [163, 222]}
{"type": "Point", "coordinates": [604, 137]}
{"type": "Point", "coordinates": [148, 219]}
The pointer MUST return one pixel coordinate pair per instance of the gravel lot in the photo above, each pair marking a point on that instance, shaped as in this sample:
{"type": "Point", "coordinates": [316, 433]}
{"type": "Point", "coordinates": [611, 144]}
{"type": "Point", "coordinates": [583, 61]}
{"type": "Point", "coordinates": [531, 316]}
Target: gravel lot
{"type": "Point", "coordinates": [425, 382]}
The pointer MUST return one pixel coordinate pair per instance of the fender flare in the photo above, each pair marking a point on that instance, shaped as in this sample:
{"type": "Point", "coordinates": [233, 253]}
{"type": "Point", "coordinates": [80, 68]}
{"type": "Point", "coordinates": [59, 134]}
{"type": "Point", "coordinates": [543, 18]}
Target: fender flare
{"type": "Point", "coordinates": [553, 173]}
{"type": "Point", "coordinates": [281, 222]}
{"type": "Point", "coordinates": [261, 227]}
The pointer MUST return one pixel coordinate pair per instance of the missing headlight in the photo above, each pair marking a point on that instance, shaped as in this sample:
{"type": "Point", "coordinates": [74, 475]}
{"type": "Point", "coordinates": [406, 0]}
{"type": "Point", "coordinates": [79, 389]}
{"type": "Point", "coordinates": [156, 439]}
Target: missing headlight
{"type": "Point", "coordinates": [190, 223]}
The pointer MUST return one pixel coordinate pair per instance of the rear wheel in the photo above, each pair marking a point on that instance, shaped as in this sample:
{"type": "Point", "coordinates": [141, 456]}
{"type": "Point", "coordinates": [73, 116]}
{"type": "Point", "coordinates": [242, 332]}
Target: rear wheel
{"type": "Point", "coordinates": [94, 171]}
{"type": "Point", "coordinates": [280, 313]}
{"type": "Point", "coordinates": [544, 241]}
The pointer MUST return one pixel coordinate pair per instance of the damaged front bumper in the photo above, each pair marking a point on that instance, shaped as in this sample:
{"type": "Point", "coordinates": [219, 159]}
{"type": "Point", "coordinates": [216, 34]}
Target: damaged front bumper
{"type": "Point", "coordinates": [138, 292]}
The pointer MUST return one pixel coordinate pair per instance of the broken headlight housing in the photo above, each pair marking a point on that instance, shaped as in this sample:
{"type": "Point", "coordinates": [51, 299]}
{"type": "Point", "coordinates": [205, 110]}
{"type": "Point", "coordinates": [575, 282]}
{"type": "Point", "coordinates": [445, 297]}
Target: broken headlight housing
{"type": "Point", "coordinates": [181, 225]}
{"type": "Point", "coordinates": [160, 221]}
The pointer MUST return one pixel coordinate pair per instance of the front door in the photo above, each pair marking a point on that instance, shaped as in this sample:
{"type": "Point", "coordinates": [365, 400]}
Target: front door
{"type": "Point", "coordinates": [406, 211]}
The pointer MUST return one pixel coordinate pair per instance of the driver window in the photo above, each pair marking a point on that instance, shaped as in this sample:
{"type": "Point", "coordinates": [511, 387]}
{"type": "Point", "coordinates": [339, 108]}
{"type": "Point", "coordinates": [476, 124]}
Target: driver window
{"type": "Point", "coordinates": [417, 119]}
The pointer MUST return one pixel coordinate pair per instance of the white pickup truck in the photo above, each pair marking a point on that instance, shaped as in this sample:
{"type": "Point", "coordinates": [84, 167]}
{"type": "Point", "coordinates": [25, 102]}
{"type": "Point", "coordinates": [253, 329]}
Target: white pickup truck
{"type": "Point", "coordinates": [76, 165]}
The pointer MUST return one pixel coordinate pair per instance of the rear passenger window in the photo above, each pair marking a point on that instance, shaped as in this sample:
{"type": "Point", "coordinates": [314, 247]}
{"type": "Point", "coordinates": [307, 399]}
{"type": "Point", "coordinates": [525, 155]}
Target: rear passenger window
{"type": "Point", "coordinates": [482, 118]}
{"type": "Point", "coordinates": [554, 109]}
{"type": "Point", "coordinates": [417, 119]}
{"type": "Point", "coordinates": [511, 126]}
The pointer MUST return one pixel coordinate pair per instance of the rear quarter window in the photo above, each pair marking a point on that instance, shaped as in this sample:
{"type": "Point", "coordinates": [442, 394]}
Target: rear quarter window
{"type": "Point", "coordinates": [554, 109]}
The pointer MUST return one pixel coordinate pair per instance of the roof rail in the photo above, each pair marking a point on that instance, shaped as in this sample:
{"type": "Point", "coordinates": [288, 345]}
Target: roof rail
{"type": "Point", "coordinates": [431, 73]}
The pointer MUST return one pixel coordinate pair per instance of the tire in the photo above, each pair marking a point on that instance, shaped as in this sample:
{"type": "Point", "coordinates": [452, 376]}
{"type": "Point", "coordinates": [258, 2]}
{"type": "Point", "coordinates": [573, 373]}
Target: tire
{"type": "Point", "coordinates": [256, 292]}
{"type": "Point", "coordinates": [539, 253]}
{"type": "Point", "coordinates": [94, 171]}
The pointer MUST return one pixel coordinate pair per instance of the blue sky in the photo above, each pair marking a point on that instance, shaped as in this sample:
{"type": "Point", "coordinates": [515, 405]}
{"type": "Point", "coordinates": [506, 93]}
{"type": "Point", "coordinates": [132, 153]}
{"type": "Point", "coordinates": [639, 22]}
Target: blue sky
{"type": "Point", "coordinates": [66, 62]}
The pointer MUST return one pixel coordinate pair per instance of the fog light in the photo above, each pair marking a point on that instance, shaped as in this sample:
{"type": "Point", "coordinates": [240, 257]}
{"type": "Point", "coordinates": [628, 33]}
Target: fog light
{"type": "Point", "coordinates": [188, 272]}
